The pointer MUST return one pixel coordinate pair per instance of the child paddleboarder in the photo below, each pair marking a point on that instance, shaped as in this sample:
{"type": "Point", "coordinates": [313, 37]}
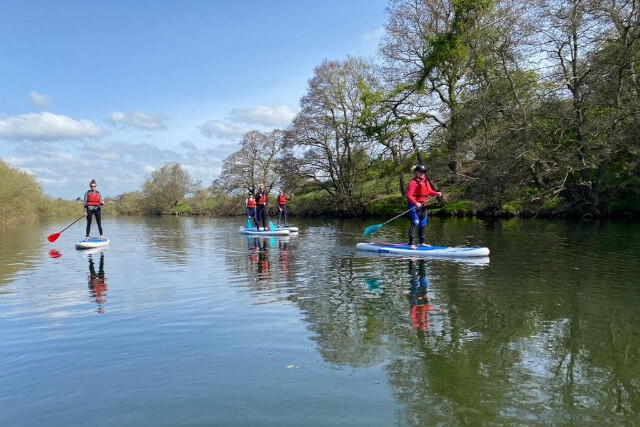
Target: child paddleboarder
{"type": "Point", "coordinates": [250, 204]}
{"type": "Point", "coordinates": [418, 192]}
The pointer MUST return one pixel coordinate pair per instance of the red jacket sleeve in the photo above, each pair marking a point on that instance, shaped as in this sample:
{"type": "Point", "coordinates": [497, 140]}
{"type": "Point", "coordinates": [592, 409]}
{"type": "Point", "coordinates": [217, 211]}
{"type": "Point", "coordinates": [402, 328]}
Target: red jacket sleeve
{"type": "Point", "coordinates": [411, 188]}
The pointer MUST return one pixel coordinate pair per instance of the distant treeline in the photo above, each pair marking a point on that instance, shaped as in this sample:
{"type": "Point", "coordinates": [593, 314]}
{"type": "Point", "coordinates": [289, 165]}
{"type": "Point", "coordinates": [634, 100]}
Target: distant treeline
{"type": "Point", "coordinates": [515, 107]}
{"type": "Point", "coordinates": [22, 199]}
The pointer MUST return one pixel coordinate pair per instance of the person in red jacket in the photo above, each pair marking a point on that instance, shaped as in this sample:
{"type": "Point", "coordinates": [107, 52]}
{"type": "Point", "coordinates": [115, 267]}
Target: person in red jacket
{"type": "Point", "coordinates": [250, 204]}
{"type": "Point", "coordinates": [418, 192]}
{"type": "Point", "coordinates": [92, 203]}
{"type": "Point", "coordinates": [261, 208]}
{"type": "Point", "coordinates": [281, 202]}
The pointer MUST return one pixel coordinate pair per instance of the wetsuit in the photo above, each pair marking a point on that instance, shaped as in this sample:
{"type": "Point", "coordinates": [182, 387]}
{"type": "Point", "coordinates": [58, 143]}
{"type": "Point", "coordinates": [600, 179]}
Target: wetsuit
{"type": "Point", "coordinates": [418, 191]}
{"type": "Point", "coordinates": [282, 209]}
{"type": "Point", "coordinates": [92, 202]}
{"type": "Point", "coordinates": [261, 209]}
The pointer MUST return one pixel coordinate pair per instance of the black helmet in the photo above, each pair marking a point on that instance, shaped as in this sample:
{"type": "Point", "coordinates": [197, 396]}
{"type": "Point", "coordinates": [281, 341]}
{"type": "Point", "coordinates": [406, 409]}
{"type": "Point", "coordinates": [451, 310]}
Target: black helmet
{"type": "Point", "coordinates": [420, 168]}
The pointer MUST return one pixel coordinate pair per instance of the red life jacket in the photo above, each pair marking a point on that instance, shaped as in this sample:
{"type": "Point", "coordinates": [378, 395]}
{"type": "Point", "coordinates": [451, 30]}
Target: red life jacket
{"type": "Point", "coordinates": [262, 199]}
{"type": "Point", "coordinates": [421, 193]}
{"type": "Point", "coordinates": [93, 198]}
{"type": "Point", "coordinates": [282, 200]}
{"type": "Point", "coordinates": [251, 203]}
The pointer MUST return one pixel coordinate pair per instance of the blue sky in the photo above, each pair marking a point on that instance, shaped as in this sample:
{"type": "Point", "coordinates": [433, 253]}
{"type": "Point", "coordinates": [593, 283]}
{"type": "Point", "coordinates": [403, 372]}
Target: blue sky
{"type": "Point", "coordinates": [112, 90]}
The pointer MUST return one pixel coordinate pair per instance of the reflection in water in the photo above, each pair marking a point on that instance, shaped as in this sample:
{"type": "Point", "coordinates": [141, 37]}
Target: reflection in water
{"type": "Point", "coordinates": [54, 253]}
{"type": "Point", "coordinates": [259, 255]}
{"type": "Point", "coordinates": [167, 239]}
{"type": "Point", "coordinates": [543, 335]}
{"type": "Point", "coordinates": [97, 282]}
{"type": "Point", "coordinates": [418, 298]}
{"type": "Point", "coordinates": [283, 245]}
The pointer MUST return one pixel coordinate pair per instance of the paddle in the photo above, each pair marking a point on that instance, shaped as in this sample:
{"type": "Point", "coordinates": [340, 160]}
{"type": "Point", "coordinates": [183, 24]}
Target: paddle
{"type": "Point", "coordinates": [373, 228]}
{"type": "Point", "coordinates": [52, 238]}
{"type": "Point", "coordinates": [248, 226]}
{"type": "Point", "coordinates": [271, 226]}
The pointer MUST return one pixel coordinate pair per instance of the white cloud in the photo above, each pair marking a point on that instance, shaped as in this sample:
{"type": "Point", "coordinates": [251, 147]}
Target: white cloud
{"type": "Point", "coordinates": [64, 169]}
{"type": "Point", "coordinates": [221, 129]}
{"type": "Point", "coordinates": [138, 119]}
{"type": "Point", "coordinates": [46, 127]}
{"type": "Point", "coordinates": [39, 99]}
{"type": "Point", "coordinates": [269, 116]}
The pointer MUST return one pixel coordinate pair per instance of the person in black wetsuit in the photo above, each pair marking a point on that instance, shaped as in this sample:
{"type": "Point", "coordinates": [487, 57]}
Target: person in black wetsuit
{"type": "Point", "coordinates": [261, 207]}
{"type": "Point", "coordinates": [92, 203]}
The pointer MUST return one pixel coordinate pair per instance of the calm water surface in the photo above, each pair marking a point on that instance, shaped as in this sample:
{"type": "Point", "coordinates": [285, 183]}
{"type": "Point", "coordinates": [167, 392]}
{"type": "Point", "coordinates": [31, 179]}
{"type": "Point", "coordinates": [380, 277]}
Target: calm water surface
{"type": "Point", "coordinates": [182, 321]}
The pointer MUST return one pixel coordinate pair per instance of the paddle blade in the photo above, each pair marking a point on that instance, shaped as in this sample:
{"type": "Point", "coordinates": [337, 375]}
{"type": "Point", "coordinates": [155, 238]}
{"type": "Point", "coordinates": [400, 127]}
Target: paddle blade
{"type": "Point", "coordinates": [248, 225]}
{"type": "Point", "coordinates": [372, 229]}
{"type": "Point", "coordinates": [52, 238]}
{"type": "Point", "coordinates": [271, 226]}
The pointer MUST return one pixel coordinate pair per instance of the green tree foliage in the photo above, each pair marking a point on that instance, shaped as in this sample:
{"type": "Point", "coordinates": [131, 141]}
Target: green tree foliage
{"type": "Point", "coordinates": [165, 189]}
{"type": "Point", "coordinates": [336, 155]}
{"type": "Point", "coordinates": [516, 107]}
{"type": "Point", "coordinates": [21, 197]}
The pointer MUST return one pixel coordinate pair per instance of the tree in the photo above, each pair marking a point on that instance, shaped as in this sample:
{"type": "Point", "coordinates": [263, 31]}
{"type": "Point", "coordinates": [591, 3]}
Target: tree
{"type": "Point", "coordinates": [427, 48]}
{"type": "Point", "coordinates": [328, 128]}
{"type": "Point", "coordinates": [254, 163]}
{"type": "Point", "coordinates": [21, 196]}
{"type": "Point", "coordinates": [165, 188]}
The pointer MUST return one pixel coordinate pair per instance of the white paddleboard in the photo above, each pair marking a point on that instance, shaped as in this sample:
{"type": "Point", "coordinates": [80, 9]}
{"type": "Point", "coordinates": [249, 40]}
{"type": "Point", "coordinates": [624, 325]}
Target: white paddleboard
{"type": "Point", "coordinates": [433, 251]}
{"type": "Point", "coordinates": [92, 243]}
{"type": "Point", "coordinates": [287, 227]}
{"type": "Point", "coordinates": [263, 232]}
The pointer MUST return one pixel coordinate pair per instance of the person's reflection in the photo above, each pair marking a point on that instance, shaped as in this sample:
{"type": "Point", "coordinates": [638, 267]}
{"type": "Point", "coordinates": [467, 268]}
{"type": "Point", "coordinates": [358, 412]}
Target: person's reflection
{"type": "Point", "coordinates": [259, 256]}
{"type": "Point", "coordinates": [283, 245]}
{"type": "Point", "coordinates": [97, 283]}
{"type": "Point", "coordinates": [418, 298]}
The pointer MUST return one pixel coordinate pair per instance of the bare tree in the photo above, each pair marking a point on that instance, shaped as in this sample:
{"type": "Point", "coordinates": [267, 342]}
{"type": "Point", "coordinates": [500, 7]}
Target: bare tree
{"type": "Point", "coordinates": [328, 127]}
{"type": "Point", "coordinates": [254, 163]}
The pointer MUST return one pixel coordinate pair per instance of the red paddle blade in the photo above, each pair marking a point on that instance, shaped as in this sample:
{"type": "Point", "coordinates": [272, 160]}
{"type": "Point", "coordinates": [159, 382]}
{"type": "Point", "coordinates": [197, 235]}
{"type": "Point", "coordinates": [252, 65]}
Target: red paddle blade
{"type": "Point", "coordinates": [52, 238]}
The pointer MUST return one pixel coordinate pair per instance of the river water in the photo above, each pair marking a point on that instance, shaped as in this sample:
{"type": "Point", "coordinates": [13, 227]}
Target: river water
{"type": "Point", "coordinates": [182, 321]}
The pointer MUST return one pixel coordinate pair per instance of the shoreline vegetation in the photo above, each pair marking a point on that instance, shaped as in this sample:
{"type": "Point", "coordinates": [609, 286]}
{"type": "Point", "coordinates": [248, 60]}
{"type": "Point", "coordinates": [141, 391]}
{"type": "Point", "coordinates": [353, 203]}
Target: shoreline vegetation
{"type": "Point", "coordinates": [508, 120]}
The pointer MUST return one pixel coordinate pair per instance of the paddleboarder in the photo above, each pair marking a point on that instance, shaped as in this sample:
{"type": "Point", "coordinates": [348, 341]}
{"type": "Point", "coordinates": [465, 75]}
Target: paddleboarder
{"type": "Point", "coordinates": [418, 192]}
{"type": "Point", "coordinates": [250, 204]}
{"type": "Point", "coordinates": [281, 203]}
{"type": "Point", "coordinates": [92, 203]}
{"type": "Point", "coordinates": [261, 208]}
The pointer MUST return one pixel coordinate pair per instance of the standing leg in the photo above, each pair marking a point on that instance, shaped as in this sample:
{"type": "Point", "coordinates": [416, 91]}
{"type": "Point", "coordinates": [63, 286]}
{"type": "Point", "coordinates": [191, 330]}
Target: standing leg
{"type": "Point", "coordinates": [89, 215]}
{"type": "Point", "coordinates": [422, 213]}
{"type": "Point", "coordinates": [264, 217]}
{"type": "Point", "coordinates": [414, 221]}
{"type": "Point", "coordinates": [99, 220]}
{"type": "Point", "coordinates": [279, 215]}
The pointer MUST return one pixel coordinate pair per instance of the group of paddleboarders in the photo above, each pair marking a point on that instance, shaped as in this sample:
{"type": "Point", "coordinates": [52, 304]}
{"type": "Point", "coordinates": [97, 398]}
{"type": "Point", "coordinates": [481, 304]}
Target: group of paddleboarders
{"type": "Point", "coordinates": [256, 207]}
{"type": "Point", "coordinates": [419, 192]}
